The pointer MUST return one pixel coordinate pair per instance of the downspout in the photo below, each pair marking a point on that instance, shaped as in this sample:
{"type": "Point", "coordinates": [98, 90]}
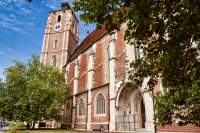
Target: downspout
{"type": "Point", "coordinates": [108, 107]}
{"type": "Point", "coordinates": [154, 111]}
{"type": "Point", "coordinates": [108, 89]}
{"type": "Point", "coordinates": [86, 113]}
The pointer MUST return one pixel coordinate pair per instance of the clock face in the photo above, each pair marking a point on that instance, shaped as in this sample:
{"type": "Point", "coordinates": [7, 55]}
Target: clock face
{"type": "Point", "coordinates": [57, 26]}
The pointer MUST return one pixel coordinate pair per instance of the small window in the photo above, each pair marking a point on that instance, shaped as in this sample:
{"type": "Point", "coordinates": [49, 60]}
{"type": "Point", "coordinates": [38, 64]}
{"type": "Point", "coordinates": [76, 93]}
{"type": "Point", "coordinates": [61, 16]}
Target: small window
{"type": "Point", "coordinates": [81, 107]}
{"type": "Point", "coordinates": [54, 61]}
{"type": "Point", "coordinates": [100, 104]}
{"type": "Point", "coordinates": [59, 18]}
{"type": "Point", "coordinates": [55, 45]}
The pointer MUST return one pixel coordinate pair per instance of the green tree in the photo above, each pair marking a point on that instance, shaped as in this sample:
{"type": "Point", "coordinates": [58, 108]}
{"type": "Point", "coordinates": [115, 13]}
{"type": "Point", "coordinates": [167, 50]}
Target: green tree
{"type": "Point", "coordinates": [33, 92]}
{"type": "Point", "coordinates": [1, 84]}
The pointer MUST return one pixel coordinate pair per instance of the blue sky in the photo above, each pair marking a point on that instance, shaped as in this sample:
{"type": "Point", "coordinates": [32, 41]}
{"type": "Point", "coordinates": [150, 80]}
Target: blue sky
{"type": "Point", "coordinates": [21, 29]}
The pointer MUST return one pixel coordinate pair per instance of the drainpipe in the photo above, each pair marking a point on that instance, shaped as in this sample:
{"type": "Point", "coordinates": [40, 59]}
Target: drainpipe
{"type": "Point", "coordinates": [154, 111]}
{"type": "Point", "coordinates": [86, 118]}
{"type": "Point", "coordinates": [108, 106]}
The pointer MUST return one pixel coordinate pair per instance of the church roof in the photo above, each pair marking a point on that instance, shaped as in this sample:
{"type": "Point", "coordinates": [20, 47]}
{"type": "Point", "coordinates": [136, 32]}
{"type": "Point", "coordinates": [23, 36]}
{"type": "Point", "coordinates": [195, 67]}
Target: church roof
{"type": "Point", "coordinates": [88, 42]}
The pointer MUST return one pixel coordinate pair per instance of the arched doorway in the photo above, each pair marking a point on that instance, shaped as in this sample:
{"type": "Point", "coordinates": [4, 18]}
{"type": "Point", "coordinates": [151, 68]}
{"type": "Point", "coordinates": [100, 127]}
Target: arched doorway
{"type": "Point", "coordinates": [130, 113]}
{"type": "Point", "coordinates": [143, 114]}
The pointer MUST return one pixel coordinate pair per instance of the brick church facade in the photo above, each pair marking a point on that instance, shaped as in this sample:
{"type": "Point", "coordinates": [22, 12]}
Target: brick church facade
{"type": "Point", "coordinates": [97, 72]}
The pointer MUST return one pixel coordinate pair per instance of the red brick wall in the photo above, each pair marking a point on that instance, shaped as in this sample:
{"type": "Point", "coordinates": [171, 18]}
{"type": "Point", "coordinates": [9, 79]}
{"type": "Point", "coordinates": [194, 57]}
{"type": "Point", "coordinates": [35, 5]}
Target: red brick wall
{"type": "Point", "coordinates": [80, 126]}
{"type": "Point", "coordinates": [72, 44]}
{"type": "Point", "coordinates": [80, 121]}
{"type": "Point", "coordinates": [82, 73]}
{"type": "Point", "coordinates": [120, 54]}
{"type": "Point", "coordinates": [74, 26]}
{"type": "Point", "coordinates": [176, 128]}
{"type": "Point", "coordinates": [99, 66]}
{"type": "Point", "coordinates": [97, 126]}
{"type": "Point", "coordinates": [71, 77]}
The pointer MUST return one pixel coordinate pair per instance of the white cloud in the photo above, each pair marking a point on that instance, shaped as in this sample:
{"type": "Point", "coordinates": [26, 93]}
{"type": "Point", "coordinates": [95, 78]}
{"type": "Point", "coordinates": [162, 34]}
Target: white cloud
{"type": "Point", "coordinates": [18, 15]}
{"type": "Point", "coordinates": [10, 5]}
{"type": "Point", "coordinates": [12, 15]}
{"type": "Point", "coordinates": [3, 3]}
{"type": "Point", "coordinates": [52, 4]}
{"type": "Point", "coordinates": [25, 10]}
{"type": "Point", "coordinates": [14, 23]}
{"type": "Point", "coordinates": [55, 4]}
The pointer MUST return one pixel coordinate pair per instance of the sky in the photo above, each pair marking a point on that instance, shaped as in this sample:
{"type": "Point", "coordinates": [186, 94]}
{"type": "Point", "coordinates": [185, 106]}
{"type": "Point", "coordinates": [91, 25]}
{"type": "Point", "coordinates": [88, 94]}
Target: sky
{"type": "Point", "coordinates": [22, 26]}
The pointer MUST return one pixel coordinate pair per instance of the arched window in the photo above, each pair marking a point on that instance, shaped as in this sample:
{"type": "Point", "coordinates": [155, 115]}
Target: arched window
{"type": "Point", "coordinates": [54, 61]}
{"type": "Point", "coordinates": [55, 45]}
{"type": "Point", "coordinates": [100, 104]}
{"type": "Point", "coordinates": [81, 107]}
{"type": "Point", "coordinates": [68, 106]}
{"type": "Point", "coordinates": [59, 18]}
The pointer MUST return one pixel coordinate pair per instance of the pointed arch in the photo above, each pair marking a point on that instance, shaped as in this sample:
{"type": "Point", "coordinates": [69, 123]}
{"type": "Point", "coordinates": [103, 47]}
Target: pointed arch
{"type": "Point", "coordinates": [100, 104]}
{"type": "Point", "coordinates": [54, 61]}
{"type": "Point", "coordinates": [81, 107]}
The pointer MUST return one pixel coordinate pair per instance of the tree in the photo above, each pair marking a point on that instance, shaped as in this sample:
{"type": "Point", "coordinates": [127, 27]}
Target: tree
{"type": "Point", "coordinates": [1, 84]}
{"type": "Point", "coordinates": [168, 32]}
{"type": "Point", "coordinates": [33, 92]}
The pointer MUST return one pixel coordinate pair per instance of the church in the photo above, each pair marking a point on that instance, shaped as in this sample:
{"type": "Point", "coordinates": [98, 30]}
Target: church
{"type": "Point", "coordinates": [97, 72]}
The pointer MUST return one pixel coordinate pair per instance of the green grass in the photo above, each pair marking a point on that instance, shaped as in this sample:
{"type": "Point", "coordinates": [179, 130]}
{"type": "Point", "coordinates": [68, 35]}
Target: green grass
{"type": "Point", "coordinates": [45, 131]}
{"type": "Point", "coordinates": [38, 131]}
{"type": "Point", "coordinates": [48, 131]}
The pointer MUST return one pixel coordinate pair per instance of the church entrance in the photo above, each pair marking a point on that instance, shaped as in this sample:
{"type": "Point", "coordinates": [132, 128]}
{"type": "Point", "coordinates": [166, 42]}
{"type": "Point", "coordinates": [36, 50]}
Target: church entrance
{"type": "Point", "coordinates": [130, 113]}
{"type": "Point", "coordinates": [143, 115]}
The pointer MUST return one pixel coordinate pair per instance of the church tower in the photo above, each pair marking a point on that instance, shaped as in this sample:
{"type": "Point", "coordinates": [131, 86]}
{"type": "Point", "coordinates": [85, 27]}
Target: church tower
{"type": "Point", "coordinates": [60, 37]}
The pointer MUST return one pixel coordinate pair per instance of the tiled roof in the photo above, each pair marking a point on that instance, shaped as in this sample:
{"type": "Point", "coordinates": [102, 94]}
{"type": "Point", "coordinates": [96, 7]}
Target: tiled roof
{"type": "Point", "coordinates": [88, 42]}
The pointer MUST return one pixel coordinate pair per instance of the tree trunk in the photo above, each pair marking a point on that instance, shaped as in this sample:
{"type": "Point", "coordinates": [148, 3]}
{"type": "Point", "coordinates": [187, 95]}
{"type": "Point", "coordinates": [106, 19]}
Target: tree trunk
{"type": "Point", "coordinates": [33, 125]}
{"type": "Point", "coordinates": [28, 125]}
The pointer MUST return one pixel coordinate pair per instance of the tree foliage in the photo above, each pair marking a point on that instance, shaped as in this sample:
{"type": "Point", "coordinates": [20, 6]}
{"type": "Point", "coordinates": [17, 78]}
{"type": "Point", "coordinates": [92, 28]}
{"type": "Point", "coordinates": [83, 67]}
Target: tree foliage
{"type": "Point", "coordinates": [32, 92]}
{"type": "Point", "coordinates": [168, 32]}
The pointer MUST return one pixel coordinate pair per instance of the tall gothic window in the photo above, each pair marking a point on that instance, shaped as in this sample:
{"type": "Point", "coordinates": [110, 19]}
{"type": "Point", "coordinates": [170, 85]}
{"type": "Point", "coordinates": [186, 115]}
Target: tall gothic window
{"type": "Point", "coordinates": [100, 104]}
{"type": "Point", "coordinates": [81, 107]}
{"type": "Point", "coordinates": [55, 45]}
{"type": "Point", "coordinates": [54, 61]}
{"type": "Point", "coordinates": [59, 18]}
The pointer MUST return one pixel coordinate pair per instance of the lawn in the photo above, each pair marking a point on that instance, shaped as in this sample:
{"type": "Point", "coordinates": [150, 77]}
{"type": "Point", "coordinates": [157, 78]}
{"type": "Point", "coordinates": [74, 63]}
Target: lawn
{"type": "Point", "coordinates": [45, 131]}
{"type": "Point", "coordinates": [38, 131]}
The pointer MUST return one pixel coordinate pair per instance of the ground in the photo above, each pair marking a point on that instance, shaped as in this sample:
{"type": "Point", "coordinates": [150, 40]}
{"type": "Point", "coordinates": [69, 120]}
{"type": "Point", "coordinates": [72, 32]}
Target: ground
{"type": "Point", "coordinates": [44, 131]}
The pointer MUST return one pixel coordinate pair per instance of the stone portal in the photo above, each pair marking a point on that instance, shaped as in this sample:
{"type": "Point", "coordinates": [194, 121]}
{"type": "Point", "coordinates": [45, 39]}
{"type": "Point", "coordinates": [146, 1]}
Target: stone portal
{"type": "Point", "coordinates": [130, 112]}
